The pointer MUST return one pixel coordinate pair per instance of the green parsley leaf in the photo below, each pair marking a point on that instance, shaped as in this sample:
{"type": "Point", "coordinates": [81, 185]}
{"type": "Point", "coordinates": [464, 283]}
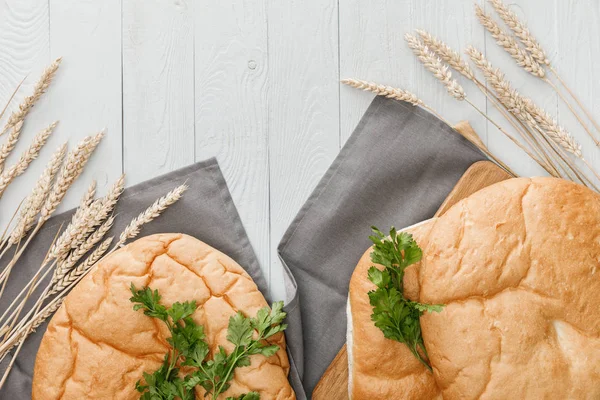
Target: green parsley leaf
{"type": "Point", "coordinates": [397, 317]}
{"type": "Point", "coordinates": [247, 396]}
{"type": "Point", "coordinates": [190, 349]}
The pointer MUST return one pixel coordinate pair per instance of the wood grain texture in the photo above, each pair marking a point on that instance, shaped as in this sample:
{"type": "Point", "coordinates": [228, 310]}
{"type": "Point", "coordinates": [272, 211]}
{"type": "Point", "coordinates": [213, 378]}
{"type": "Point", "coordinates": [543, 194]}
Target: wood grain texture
{"type": "Point", "coordinates": [575, 65]}
{"type": "Point", "coordinates": [334, 383]}
{"type": "Point", "coordinates": [540, 20]}
{"type": "Point", "coordinates": [24, 49]}
{"type": "Point", "coordinates": [86, 96]}
{"type": "Point", "coordinates": [158, 87]}
{"type": "Point", "coordinates": [304, 124]}
{"type": "Point", "coordinates": [255, 83]}
{"type": "Point", "coordinates": [372, 47]}
{"type": "Point", "coordinates": [231, 108]}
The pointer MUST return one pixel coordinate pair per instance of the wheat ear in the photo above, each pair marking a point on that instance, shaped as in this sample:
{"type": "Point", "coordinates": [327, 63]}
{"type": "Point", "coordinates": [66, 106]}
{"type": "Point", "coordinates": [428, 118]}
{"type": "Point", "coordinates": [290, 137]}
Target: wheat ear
{"type": "Point", "coordinates": [523, 107]}
{"type": "Point", "coordinates": [39, 89]}
{"type": "Point", "coordinates": [72, 278]}
{"type": "Point", "coordinates": [521, 31]}
{"type": "Point", "coordinates": [435, 66]}
{"type": "Point", "coordinates": [70, 171]}
{"type": "Point", "coordinates": [445, 52]}
{"type": "Point", "coordinates": [133, 229]}
{"type": "Point", "coordinates": [26, 158]}
{"type": "Point", "coordinates": [33, 204]}
{"type": "Point", "coordinates": [11, 142]}
{"type": "Point", "coordinates": [508, 43]}
{"type": "Point", "coordinates": [391, 93]}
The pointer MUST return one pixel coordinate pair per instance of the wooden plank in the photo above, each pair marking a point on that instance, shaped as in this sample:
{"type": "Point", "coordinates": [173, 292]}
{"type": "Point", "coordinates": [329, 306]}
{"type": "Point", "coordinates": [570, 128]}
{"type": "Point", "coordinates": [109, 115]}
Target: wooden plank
{"type": "Point", "coordinates": [372, 47]}
{"type": "Point", "coordinates": [539, 16]}
{"type": "Point", "coordinates": [575, 60]}
{"type": "Point", "coordinates": [158, 87]}
{"type": "Point", "coordinates": [86, 96]}
{"type": "Point", "coordinates": [231, 107]}
{"type": "Point", "coordinates": [24, 44]}
{"type": "Point", "coordinates": [303, 109]}
{"type": "Point", "coordinates": [334, 383]}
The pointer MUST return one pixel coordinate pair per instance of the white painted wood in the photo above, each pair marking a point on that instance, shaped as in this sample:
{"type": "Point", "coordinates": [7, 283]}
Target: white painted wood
{"type": "Point", "coordinates": [86, 96]}
{"type": "Point", "coordinates": [539, 16]}
{"type": "Point", "coordinates": [24, 49]}
{"type": "Point", "coordinates": [575, 58]}
{"type": "Point", "coordinates": [256, 84]}
{"type": "Point", "coordinates": [372, 47]}
{"type": "Point", "coordinates": [304, 134]}
{"type": "Point", "coordinates": [158, 87]}
{"type": "Point", "coordinates": [231, 108]}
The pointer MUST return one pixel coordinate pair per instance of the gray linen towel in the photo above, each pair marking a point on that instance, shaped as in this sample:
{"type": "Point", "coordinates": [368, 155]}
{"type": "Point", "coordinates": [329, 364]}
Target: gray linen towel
{"type": "Point", "coordinates": [206, 211]}
{"type": "Point", "coordinates": [396, 169]}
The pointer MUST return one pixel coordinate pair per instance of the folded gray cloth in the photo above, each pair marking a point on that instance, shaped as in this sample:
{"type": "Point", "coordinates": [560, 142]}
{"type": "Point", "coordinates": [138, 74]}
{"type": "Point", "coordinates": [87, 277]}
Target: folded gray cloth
{"type": "Point", "coordinates": [206, 211]}
{"type": "Point", "coordinates": [396, 169]}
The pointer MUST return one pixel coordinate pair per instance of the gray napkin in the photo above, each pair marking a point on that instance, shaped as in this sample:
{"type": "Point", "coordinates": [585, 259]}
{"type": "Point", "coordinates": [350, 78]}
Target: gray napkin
{"type": "Point", "coordinates": [206, 211]}
{"type": "Point", "coordinates": [396, 169]}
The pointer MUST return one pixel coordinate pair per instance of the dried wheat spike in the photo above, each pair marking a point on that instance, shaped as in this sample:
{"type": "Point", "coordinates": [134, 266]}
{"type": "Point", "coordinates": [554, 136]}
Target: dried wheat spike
{"type": "Point", "coordinates": [26, 158]}
{"type": "Point", "coordinates": [508, 43]}
{"type": "Point", "coordinates": [434, 65]}
{"type": "Point", "coordinates": [70, 171]}
{"type": "Point", "coordinates": [11, 142]}
{"type": "Point", "coordinates": [445, 52]}
{"type": "Point", "coordinates": [85, 219]}
{"type": "Point", "coordinates": [522, 107]}
{"type": "Point", "coordinates": [133, 229]}
{"type": "Point", "coordinates": [39, 89]}
{"type": "Point", "coordinates": [82, 268]}
{"type": "Point", "coordinates": [33, 204]}
{"type": "Point", "coordinates": [521, 31]}
{"type": "Point", "coordinates": [382, 90]}
{"type": "Point", "coordinates": [64, 267]}
{"type": "Point", "coordinates": [553, 129]}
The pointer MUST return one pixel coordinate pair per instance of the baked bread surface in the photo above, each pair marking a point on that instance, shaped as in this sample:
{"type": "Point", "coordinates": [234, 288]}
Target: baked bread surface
{"type": "Point", "coordinates": [518, 266]}
{"type": "Point", "coordinates": [96, 346]}
{"type": "Point", "coordinates": [381, 368]}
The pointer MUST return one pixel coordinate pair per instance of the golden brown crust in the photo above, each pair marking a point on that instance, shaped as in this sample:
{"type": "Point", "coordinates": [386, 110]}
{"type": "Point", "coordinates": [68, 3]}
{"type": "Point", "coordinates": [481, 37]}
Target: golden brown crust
{"type": "Point", "coordinates": [96, 346]}
{"type": "Point", "coordinates": [517, 265]}
{"type": "Point", "coordinates": [383, 368]}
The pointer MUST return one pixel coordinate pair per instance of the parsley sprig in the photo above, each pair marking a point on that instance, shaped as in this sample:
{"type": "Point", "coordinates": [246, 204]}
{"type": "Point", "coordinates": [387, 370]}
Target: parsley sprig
{"type": "Point", "coordinates": [396, 316]}
{"type": "Point", "coordinates": [190, 350]}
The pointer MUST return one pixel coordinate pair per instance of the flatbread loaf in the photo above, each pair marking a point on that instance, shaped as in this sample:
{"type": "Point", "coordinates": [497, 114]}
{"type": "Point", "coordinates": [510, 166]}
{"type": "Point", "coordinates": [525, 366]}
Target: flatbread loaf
{"type": "Point", "coordinates": [517, 265]}
{"type": "Point", "coordinates": [381, 368]}
{"type": "Point", "coordinates": [96, 346]}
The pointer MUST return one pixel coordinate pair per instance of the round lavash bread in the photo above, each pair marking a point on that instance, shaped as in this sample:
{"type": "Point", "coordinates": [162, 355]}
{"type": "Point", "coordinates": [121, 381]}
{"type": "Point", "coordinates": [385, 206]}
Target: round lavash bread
{"type": "Point", "coordinates": [517, 265]}
{"type": "Point", "coordinates": [381, 368]}
{"type": "Point", "coordinates": [96, 346]}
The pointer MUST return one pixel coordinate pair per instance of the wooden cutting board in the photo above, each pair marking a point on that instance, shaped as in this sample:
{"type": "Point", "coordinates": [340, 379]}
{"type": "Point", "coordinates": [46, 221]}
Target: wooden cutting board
{"type": "Point", "coordinates": [334, 383]}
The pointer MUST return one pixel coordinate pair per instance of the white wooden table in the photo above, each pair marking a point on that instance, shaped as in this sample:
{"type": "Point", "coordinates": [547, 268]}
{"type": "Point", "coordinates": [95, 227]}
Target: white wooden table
{"type": "Point", "coordinates": [255, 83]}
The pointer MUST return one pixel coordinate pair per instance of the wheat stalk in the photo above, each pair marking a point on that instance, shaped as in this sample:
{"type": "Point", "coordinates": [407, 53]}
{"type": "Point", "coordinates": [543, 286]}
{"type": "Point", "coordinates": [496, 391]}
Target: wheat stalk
{"type": "Point", "coordinates": [26, 158]}
{"type": "Point", "coordinates": [39, 89]}
{"type": "Point", "coordinates": [152, 212]}
{"type": "Point", "coordinates": [391, 93]}
{"type": "Point", "coordinates": [33, 204]}
{"type": "Point", "coordinates": [23, 329]}
{"type": "Point", "coordinates": [383, 90]}
{"type": "Point", "coordinates": [435, 66]}
{"type": "Point", "coordinates": [525, 110]}
{"type": "Point", "coordinates": [11, 142]}
{"type": "Point", "coordinates": [508, 43]}
{"type": "Point", "coordinates": [445, 52]}
{"type": "Point", "coordinates": [71, 276]}
{"type": "Point", "coordinates": [520, 30]}
{"type": "Point", "coordinates": [70, 171]}
{"type": "Point", "coordinates": [86, 218]}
